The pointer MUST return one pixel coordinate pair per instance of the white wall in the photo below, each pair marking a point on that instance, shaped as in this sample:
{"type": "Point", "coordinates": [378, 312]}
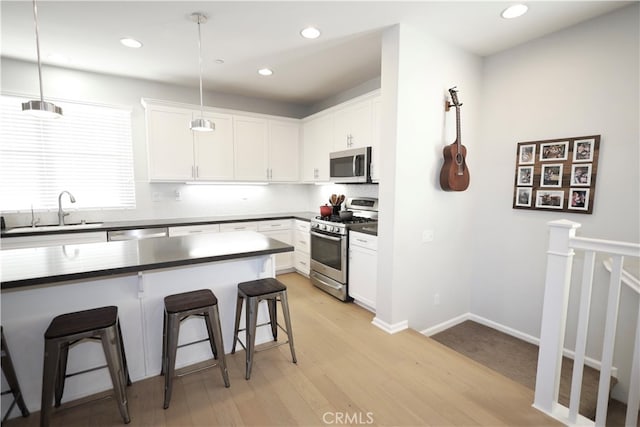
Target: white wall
{"type": "Point", "coordinates": [21, 78]}
{"type": "Point", "coordinates": [417, 71]}
{"type": "Point", "coordinates": [580, 81]}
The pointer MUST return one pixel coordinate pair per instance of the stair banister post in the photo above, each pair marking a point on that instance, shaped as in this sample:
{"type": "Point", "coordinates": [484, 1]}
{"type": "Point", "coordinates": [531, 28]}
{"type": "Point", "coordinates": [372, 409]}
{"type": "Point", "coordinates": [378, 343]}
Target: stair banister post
{"type": "Point", "coordinates": [554, 313]}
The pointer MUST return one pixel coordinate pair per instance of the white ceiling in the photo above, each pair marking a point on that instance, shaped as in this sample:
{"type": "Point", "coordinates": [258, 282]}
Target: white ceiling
{"type": "Point", "coordinates": [250, 35]}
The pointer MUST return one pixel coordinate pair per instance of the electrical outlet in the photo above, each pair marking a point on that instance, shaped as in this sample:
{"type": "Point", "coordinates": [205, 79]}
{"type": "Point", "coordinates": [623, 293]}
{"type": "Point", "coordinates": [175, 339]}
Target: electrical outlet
{"type": "Point", "coordinates": [178, 195]}
{"type": "Point", "coordinates": [436, 299]}
{"type": "Point", "coordinates": [427, 236]}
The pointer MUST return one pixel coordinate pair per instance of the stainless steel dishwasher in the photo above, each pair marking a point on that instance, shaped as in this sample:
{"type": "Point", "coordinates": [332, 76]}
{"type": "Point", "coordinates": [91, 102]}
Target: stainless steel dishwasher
{"type": "Point", "coordinates": [137, 234]}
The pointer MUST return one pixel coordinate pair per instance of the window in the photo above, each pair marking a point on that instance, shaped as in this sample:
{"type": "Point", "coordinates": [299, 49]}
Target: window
{"type": "Point", "coordinates": [87, 152]}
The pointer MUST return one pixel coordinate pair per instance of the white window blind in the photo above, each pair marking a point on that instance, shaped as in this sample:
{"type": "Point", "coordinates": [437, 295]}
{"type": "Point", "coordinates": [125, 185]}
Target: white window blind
{"type": "Point", "coordinates": [88, 152]}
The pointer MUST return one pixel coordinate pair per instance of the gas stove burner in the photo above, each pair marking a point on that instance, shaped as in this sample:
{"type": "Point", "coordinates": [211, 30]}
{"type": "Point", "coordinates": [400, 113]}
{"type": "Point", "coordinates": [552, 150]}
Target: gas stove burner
{"type": "Point", "coordinates": [353, 220]}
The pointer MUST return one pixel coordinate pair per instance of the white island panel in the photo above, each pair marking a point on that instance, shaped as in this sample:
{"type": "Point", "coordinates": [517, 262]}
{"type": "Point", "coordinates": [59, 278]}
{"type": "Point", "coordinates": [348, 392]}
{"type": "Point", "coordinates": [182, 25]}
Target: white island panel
{"type": "Point", "coordinates": [218, 262]}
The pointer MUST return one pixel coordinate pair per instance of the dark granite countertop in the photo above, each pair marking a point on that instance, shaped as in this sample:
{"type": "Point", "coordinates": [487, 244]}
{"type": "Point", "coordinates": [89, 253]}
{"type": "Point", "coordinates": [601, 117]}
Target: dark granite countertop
{"type": "Point", "coordinates": [147, 223]}
{"type": "Point", "coordinates": [49, 265]}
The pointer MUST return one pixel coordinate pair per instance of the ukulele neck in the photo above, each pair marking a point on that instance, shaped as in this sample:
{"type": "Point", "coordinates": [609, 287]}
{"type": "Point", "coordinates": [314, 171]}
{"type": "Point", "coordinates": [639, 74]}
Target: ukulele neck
{"type": "Point", "coordinates": [459, 156]}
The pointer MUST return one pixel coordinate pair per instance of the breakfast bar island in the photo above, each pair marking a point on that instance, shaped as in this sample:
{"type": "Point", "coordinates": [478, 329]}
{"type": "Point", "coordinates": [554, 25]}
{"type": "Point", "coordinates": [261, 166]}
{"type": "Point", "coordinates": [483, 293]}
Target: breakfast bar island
{"type": "Point", "coordinates": [41, 283]}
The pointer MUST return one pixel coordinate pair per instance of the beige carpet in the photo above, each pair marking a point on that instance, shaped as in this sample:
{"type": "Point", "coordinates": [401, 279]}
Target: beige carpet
{"type": "Point", "coordinates": [517, 359]}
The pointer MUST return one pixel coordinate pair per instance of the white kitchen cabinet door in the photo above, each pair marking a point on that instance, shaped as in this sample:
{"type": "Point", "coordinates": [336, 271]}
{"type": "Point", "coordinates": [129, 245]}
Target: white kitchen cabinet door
{"type": "Point", "coordinates": [250, 142]}
{"type": "Point", "coordinates": [363, 277]}
{"type": "Point", "coordinates": [375, 139]}
{"type": "Point", "coordinates": [214, 150]}
{"type": "Point", "coordinates": [283, 260]}
{"type": "Point", "coordinates": [279, 229]}
{"type": "Point", "coordinates": [284, 142]}
{"type": "Point", "coordinates": [317, 144]}
{"type": "Point", "coordinates": [169, 144]}
{"type": "Point", "coordinates": [353, 126]}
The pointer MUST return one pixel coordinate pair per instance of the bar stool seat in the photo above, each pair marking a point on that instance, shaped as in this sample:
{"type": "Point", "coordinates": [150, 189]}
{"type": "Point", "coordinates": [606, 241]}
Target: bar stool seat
{"type": "Point", "coordinates": [12, 381]}
{"type": "Point", "coordinates": [69, 329]}
{"type": "Point", "coordinates": [177, 308]}
{"type": "Point", "coordinates": [254, 292]}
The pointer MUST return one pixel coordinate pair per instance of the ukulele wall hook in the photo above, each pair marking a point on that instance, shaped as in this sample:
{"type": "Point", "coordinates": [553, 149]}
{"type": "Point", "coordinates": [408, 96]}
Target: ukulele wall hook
{"type": "Point", "coordinates": [448, 104]}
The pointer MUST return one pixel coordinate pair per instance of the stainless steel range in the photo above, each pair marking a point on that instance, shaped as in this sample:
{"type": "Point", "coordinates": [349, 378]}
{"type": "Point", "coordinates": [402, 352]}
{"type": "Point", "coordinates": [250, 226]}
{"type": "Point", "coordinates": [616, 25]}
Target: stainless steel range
{"type": "Point", "coordinates": [330, 245]}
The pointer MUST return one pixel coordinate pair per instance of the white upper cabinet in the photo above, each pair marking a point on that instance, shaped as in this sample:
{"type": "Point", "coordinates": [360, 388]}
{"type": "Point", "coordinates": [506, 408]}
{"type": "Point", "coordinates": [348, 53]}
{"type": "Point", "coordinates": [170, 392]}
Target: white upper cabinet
{"type": "Point", "coordinates": [317, 144]}
{"type": "Point", "coordinates": [284, 159]}
{"type": "Point", "coordinates": [176, 153]}
{"type": "Point", "coordinates": [353, 126]}
{"type": "Point", "coordinates": [251, 150]}
{"type": "Point", "coordinates": [214, 150]}
{"type": "Point", "coordinates": [242, 147]}
{"type": "Point", "coordinates": [169, 144]}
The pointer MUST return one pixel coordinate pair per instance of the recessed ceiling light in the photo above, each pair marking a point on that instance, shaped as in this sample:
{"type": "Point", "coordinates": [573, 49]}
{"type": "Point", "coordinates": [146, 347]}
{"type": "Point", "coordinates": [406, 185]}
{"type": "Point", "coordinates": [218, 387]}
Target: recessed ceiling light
{"type": "Point", "coordinates": [514, 11]}
{"type": "Point", "coordinates": [310, 33]}
{"type": "Point", "coordinates": [265, 71]}
{"type": "Point", "coordinates": [132, 43]}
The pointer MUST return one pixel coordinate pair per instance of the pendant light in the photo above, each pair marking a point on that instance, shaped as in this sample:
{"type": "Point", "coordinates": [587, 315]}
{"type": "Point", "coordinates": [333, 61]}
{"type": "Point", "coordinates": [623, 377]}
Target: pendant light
{"type": "Point", "coordinates": [40, 108]}
{"type": "Point", "coordinates": [201, 124]}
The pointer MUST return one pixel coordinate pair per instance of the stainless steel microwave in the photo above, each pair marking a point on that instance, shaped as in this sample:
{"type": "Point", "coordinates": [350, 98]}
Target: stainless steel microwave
{"type": "Point", "coordinates": [350, 166]}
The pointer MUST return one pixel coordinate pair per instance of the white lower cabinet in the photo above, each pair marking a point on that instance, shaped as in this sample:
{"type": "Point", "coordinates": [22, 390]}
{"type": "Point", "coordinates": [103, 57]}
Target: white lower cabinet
{"type": "Point", "coordinates": [302, 244]}
{"type": "Point", "coordinates": [53, 240]}
{"type": "Point", "coordinates": [276, 229]}
{"type": "Point", "coordinates": [186, 230]}
{"type": "Point", "coordinates": [279, 230]}
{"type": "Point", "coordinates": [239, 226]}
{"type": "Point", "coordinates": [363, 261]}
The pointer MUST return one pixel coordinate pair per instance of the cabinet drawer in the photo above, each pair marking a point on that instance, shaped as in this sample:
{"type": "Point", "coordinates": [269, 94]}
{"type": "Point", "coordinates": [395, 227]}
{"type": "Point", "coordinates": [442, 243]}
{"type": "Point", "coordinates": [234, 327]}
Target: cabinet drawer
{"type": "Point", "coordinates": [185, 230]}
{"type": "Point", "coordinates": [277, 224]}
{"type": "Point", "coordinates": [302, 262]}
{"type": "Point", "coordinates": [304, 226]}
{"type": "Point", "coordinates": [301, 240]}
{"type": "Point", "coordinates": [239, 226]}
{"type": "Point", "coordinates": [363, 240]}
{"type": "Point", "coordinates": [53, 240]}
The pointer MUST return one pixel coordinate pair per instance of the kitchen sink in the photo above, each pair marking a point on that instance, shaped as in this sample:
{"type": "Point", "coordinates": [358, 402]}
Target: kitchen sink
{"type": "Point", "coordinates": [40, 228]}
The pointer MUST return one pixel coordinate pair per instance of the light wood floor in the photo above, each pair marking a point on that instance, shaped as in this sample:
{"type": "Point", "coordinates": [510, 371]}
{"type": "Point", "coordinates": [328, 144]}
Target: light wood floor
{"type": "Point", "coordinates": [348, 372]}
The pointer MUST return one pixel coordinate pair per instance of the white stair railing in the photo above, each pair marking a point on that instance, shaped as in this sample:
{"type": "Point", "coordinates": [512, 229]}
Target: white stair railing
{"type": "Point", "coordinates": [562, 243]}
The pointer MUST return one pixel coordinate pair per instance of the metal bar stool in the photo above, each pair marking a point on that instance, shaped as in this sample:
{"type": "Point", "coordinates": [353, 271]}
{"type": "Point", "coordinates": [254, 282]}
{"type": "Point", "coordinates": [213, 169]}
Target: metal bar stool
{"type": "Point", "coordinates": [12, 381]}
{"type": "Point", "coordinates": [69, 329]}
{"type": "Point", "coordinates": [272, 291]}
{"type": "Point", "coordinates": [177, 308]}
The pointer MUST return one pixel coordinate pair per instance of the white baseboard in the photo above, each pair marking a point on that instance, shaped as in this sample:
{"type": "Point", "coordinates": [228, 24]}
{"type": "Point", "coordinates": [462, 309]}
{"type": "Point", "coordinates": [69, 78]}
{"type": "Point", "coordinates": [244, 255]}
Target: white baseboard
{"type": "Point", "coordinates": [445, 325]}
{"type": "Point", "coordinates": [390, 328]}
{"type": "Point", "coordinates": [593, 363]}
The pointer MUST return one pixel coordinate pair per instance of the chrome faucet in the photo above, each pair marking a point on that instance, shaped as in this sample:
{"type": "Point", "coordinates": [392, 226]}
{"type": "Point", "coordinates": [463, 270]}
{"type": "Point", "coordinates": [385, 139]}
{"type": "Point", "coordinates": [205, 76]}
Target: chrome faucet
{"type": "Point", "coordinates": [61, 213]}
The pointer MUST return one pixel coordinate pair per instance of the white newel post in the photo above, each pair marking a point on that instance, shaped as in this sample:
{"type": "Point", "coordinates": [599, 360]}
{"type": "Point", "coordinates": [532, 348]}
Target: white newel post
{"type": "Point", "coordinates": [554, 313]}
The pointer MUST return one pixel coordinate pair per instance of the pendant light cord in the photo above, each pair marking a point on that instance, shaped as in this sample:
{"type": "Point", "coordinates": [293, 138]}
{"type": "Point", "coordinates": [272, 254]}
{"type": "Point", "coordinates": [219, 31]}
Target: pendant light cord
{"type": "Point", "coordinates": [200, 63]}
{"type": "Point", "coordinates": [35, 19]}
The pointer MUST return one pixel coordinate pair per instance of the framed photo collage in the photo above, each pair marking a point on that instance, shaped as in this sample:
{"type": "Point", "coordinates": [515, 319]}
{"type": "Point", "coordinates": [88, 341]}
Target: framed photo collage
{"type": "Point", "coordinates": [557, 174]}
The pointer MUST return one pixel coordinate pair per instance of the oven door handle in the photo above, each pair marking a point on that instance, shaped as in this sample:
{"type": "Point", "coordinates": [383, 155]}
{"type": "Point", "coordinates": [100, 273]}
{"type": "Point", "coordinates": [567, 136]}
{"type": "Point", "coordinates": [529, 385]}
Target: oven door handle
{"type": "Point", "coordinates": [331, 285]}
{"type": "Point", "coordinates": [324, 236]}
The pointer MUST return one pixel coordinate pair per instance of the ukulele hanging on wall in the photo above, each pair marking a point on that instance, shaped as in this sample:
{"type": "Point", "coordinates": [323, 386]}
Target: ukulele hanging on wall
{"type": "Point", "coordinates": [454, 175]}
